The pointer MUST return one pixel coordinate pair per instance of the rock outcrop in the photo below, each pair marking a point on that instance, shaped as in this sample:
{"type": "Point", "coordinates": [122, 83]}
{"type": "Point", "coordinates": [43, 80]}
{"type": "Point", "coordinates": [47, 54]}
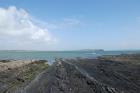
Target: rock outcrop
{"type": "Point", "coordinates": [13, 64]}
{"type": "Point", "coordinates": [66, 77]}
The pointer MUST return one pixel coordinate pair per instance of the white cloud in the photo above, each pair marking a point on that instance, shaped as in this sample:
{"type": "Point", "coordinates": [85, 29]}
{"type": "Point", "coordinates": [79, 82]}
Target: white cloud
{"type": "Point", "coordinates": [64, 23]}
{"type": "Point", "coordinates": [17, 27]}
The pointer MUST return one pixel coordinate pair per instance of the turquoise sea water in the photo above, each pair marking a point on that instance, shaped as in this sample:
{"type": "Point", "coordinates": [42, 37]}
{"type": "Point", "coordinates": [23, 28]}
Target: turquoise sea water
{"type": "Point", "coordinates": [51, 55]}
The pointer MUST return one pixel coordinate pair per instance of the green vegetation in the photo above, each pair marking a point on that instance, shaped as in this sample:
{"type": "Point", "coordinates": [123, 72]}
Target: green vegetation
{"type": "Point", "coordinates": [33, 70]}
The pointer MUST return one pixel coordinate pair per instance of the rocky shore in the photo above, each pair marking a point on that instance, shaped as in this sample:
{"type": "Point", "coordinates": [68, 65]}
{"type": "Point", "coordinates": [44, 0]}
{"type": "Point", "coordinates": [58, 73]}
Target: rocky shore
{"type": "Point", "coordinates": [106, 74]}
{"type": "Point", "coordinates": [17, 74]}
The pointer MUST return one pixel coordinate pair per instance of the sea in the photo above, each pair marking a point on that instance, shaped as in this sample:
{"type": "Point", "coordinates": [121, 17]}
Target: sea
{"type": "Point", "coordinates": [52, 55]}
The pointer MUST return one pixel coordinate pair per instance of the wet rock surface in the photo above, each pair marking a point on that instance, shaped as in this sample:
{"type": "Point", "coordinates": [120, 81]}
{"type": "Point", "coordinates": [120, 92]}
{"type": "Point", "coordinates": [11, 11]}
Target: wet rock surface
{"type": "Point", "coordinates": [122, 76]}
{"type": "Point", "coordinates": [67, 78]}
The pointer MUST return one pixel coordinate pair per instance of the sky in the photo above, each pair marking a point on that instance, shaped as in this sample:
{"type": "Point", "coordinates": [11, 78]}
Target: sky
{"type": "Point", "coordinates": [69, 24]}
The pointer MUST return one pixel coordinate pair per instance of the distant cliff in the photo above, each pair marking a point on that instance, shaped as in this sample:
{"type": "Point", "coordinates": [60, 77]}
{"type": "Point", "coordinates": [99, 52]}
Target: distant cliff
{"type": "Point", "coordinates": [93, 50]}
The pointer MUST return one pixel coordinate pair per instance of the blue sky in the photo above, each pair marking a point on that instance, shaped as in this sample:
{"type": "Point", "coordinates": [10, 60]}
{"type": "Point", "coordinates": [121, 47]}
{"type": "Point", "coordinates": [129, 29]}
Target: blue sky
{"type": "Point", "coordinates": [77, 24]}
